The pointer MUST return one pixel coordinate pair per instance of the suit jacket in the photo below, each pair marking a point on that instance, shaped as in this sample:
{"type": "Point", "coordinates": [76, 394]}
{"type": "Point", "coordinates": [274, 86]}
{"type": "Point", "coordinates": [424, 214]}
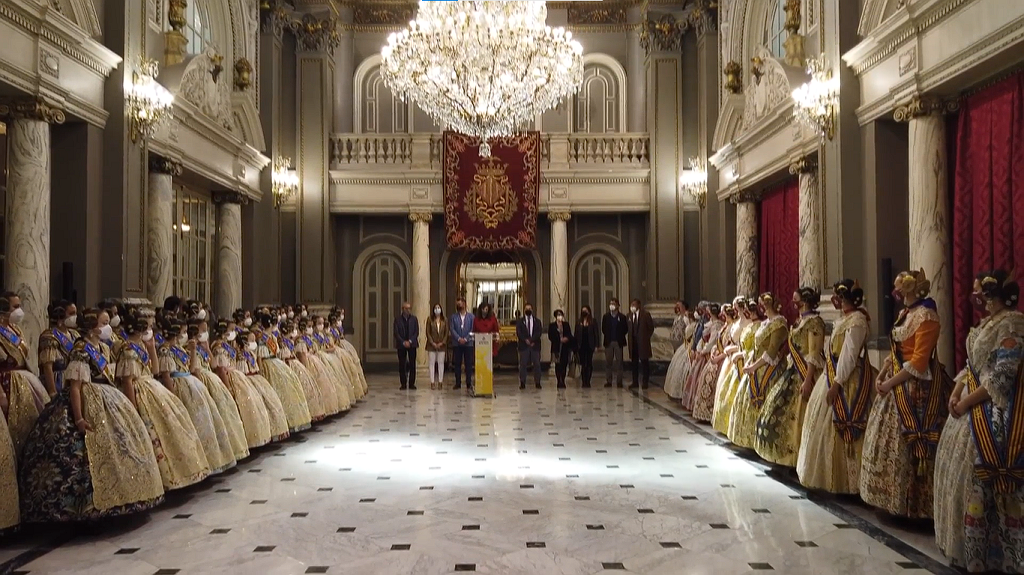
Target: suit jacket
{"type": "Point", "coordinates": [523, 334]}
{"type": "Point", "coordinates": [592, 335]}
{"type": "Point", "coordinates": [461, 329]}
{"type": "Point", "coordinates": [640, 333]}
{"type": "Point", "coordinates": [403, 334]}
{"type": "Point", "coordinates": [437, 334]}
{"type": "Point", "coordinates": [614, 328]}
{"type": "Point", "coordinates": [556, 341]}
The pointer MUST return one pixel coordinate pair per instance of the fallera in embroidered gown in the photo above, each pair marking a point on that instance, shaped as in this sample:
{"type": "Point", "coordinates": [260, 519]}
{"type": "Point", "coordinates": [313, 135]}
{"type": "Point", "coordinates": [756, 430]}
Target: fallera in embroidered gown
{"type": "Point", "coordinates": [179, 452]}
{"type": "Point", "coordinates": [896, 474]}
{"type": "Point", "coordinates": [284, 382]}
{"type": "Point", "coordinates": [223, 402]}
{"type": "Point", "coordinates": [55, 350]}
{"type": "Point", "coordinates": [347, 367]}
{"type": "Point", "coordinates": [26, 395]}
{"type": "Point", "coordinates": [780, 424]}
{"type": "Point", "coordinates": [251, 409]}
{"type": "Point", "coordinates": [174, 360]}
{"type": "Point", "coordinates": [730, 376]}
{"type": "Point", "coordinates": [323, 399]}
{"type": "Point", "coordinates": [327, 353]}
{"type": "Point", "coordinates": [308, 347]}
{"type": "Point", "coordinates": [111, 470]}
{"type": "Point", "coordinates": [10, 505]}
{"type": "Point", "coordinates": [704, 397]}
{"type": "Point", "coordinates": [246, 361]}
{"type": "Point", "coordinates": [753, 389]}
{"type": "Point", "coordinates": [954, 468]}
{"type": "Point", "coordinates": [703, 354]}
{"type": "Point", "coordinates": [675, 378]}
{"type": "Point", "coordinates": [355, 364]}
{"type": "Point", "coordinates": [832, 440]}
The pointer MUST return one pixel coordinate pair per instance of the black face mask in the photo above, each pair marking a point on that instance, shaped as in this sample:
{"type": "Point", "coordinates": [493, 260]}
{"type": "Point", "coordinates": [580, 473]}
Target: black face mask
{"type": "Point", "coordinates": [528, 312]}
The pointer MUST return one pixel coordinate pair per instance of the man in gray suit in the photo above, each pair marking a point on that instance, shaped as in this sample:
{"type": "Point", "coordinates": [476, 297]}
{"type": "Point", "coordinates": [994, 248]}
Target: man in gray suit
{"type": "Point", "coordinates": [528, 333]}
{"type": "Point", "coordinates": [407, 340]}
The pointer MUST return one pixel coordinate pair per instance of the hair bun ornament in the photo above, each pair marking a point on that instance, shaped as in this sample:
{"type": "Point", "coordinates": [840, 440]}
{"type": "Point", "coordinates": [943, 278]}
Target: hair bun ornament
{"type": "Point", "coordinates": [1011, 277]}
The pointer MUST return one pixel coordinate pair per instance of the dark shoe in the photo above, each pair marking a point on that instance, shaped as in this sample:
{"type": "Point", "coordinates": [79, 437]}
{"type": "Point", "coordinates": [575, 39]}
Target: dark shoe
{"type": "Point", "coordinates": [457, 386]}
{"type": "Point", "coordinates": [522, 386]}
{"type": "Point", "coordinates": [645, 386]}
{"type": "Point", "coordinates": [635, 386]}
{"type": "Point", "coordinates": [412, 387]}
{"type": "Point", "coordinates": [609, 385]}
{"type": "Point", "coordinates": [403, 388]}
{"type": "Point", "coordinates": [538, 386]}
{"type": "Point", "coordinates": [586, 386]}
{"type": "Point", "coordinates": [561, 386]}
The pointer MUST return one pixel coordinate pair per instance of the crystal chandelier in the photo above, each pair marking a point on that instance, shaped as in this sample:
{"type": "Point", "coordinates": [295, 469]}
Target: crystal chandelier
{"type": "Point", "coordinates": [148, 102]}
{"type": "Point", "coordinates": [284, 181]}
{"type": "Point", "coordinates": [484, 68]}
{"type": "Point", "coordinates": [694, 181]}
{"type": "Point", "coordinates": [815, 102]}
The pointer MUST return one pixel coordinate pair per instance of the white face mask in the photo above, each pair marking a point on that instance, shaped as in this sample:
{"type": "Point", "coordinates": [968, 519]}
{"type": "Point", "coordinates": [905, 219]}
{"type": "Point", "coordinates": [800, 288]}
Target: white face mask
{"type": "Point", "coordinates": [319, 327]}
{"type": "Point", "coordinates": [71, 321]}
{"type": "Point", "coordinates": [204, 337]}
{"type": "Point", "coordinates": [338, 323]}
{"type": "Point", "coordinates": [17, 315]}
{"type": "Point", "coordinates": [342, 317]}
{"type": "Point", "coordinates": [696, 316]}
{"type": "Point", "coordinates": [304, 313]}
{"type": "Point", "coordinates": [613, 307]}
{"type": "Point", "coordinates": [148, 336]}
{"type": "Point", "coordinates": [231, 335]}
{"type": "Point", "coordinates": [115, 321]}
{"type": "Point", "coordinates": [247, 322]}
{"type": "Point", "coordinates": [294, 333]}
{"type": "Point", "coordinates": [560, 317]}
{"type": "Point", "coordinates": [437, 311]}
{"type": "Point", "coordinates": [106, 332]}
{"type": "Point", "coordinates": [251, 346]}
{"type": "Point", "coordinates": [182, 339]}
{"type": "Point", "coordinates": [291, 314]}
{"type": "Point", "coordinates": [309, 331]}
{"type": "Point", "coordinates": [632, 309]}
{"type": "Point", "coordinates": [201, 315]}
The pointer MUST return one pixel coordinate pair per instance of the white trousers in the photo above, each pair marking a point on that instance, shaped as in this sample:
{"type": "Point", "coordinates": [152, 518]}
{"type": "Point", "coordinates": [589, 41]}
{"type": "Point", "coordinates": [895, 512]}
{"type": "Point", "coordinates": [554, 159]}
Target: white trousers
{"type": "Point", "coordinates": [435, 360]}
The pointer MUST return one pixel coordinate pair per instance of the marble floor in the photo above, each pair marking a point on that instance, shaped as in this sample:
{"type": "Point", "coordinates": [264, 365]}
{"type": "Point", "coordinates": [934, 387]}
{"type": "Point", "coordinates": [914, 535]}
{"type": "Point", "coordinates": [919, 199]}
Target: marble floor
{"type": "Point", "coordinates": [531, 482]}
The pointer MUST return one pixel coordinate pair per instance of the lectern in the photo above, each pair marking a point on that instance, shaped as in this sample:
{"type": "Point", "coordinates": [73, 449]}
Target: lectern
{"type": "Point", "coordinates": [483, 376]}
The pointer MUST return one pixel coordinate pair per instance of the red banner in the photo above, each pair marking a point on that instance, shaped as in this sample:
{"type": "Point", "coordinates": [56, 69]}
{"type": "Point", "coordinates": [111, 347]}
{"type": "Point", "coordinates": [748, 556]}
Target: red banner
{"type": "Point", "coordinates": [490, 203]}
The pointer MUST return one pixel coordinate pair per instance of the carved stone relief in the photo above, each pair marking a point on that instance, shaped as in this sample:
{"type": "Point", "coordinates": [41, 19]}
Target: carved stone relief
{"type": "Point", "coordinates": [581, 13]}
{"type": "Point", "coordinates": [662, 33]}
{"type": "Point", "coordinates": [769, 86]}
{"type": "Point", "coordinates": [201, 85]}
{"type": "Point", "coordinates": [383, 14]}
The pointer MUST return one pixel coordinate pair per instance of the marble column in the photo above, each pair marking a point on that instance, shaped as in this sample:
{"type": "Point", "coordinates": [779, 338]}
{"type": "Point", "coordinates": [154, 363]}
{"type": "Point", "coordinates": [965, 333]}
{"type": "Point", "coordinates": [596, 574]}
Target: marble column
{"type": "Point", "coordinates": [636, 75]}
{"type": "Point", "coordinates": [27, 265]}
{"type": "Point", "coordinates": [559, 261]}
{"type": "Point", "coordinates": [746, 248]}
{"type": "Point", "coordinates": [930, 222]}
{"type": "Point", "coordinates": [345, 67]}
{"type": "Point", "coordinates": [229, 252]}
{"type": "Point", "coordinates": [421, 278]}
{"type": "Point", "coordinates": [811, 264]}
{"type": "Point", "coordinates": [160, 229]}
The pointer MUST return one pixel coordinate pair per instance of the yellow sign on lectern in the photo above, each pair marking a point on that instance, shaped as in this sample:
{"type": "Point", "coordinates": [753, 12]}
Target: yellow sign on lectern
{"type": "Point", "coordinates": [483, 374]}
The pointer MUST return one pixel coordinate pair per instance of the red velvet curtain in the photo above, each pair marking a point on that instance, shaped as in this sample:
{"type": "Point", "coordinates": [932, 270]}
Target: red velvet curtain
{"type": "Point", "coordinates": [779, 266]}
{"type": "Point", "coordinates": [988, 193]}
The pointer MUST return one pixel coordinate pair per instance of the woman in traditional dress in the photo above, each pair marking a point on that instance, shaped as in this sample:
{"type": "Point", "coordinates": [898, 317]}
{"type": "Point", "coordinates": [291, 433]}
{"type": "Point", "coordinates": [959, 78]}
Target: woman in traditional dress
{"type": "Point", "coordinates": [26, 395]}
{"type": "Point", "coordinates": [742, 336]}
{"type": "Point", "coordinates": [284, 381]}
{"type": "Point", "coordinates": [907, 417]}
{"type": "Point", "coordinates": [180, 454]}
{"type": "Point", "coordinates": [114, 311]}
{"type": "Point", "coordinates": [780, 424]}
{"type": "Point", "coordinates": [702, 355]}
{"type": "Point", "coordinates": [173, 360]}
{"type": "Point", "coordinates": [679, 366]}
{"type": "Point", "coordinates": [55, 344]}
{"type": "Point", "coordinates": [704, 400]}
{"type": "Point", "coordinates": [837, 411]}
{"type": "Point", "coordinates": [309, 353]}
{"type": "Point", "coordinates": [979, 502]}
{"type": "Point", "coordinates": [10, 504]}
{"type": "Point", "coordinates": [223, 402]}
{"type": "Point", "coordinates": [332, 359]}
{"type": "Point", "coordinates": [251, 408]}
{"type": "Point", "coordinates": [89, 456]}
{"type": "Point", "coordinates": [349, 363]}
{"type": "Point", "coordinates": [317, 398]}
{"type": "Point", "coordinates": [762, 371]}
{"type": "Point", "coordinates": [246, 349]}
{"type": "Point", "coordinates": [350, 352]}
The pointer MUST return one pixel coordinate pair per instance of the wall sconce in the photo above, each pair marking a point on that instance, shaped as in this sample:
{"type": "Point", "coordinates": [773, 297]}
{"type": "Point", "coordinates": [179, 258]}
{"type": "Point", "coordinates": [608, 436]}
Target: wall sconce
{"type": "Point", "coordinates": [815, 102]}
{"type": "Point", "coordinates": [285, 181]}
{"type": "Point", "coordinates": [694, 181]}
{"type": "Point", "coordinates": [147, 101]}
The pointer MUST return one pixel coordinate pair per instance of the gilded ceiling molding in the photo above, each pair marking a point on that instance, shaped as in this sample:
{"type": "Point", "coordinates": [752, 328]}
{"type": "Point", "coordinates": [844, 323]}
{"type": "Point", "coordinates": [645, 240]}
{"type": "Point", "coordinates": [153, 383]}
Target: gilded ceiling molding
{"type": "Point", "coordinates": [704, 16]}
{"type": "Point", "coordinates": [591, 13]}
{"type": "Point", "coordinates": [920, 106]}
{"type": "Point", "coordinates": [243, 74]}
{"type": "Point", "coordinates": [382, 14]}
{"type": "Point", "coordinates": [314, 34]}
{"type": "Point", "coordinates": [273, 17]}
{"type": "Point", "coordinates": [662, 33]}
{"type": "Point", "coordinates": [31, 109]}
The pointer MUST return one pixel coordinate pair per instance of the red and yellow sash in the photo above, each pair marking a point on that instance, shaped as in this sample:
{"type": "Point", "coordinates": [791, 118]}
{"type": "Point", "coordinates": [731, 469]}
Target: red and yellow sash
{"type": "Point", "coordinates": [850, 419]}
{"type": "Point", "coordinates": [760, 380]}
{"type": "Point", "coordinates": [1002, 464]}
{"type": "Point", "coordinates": [921, 434]}
{"type": "Point", "coordinates": [798, 358]}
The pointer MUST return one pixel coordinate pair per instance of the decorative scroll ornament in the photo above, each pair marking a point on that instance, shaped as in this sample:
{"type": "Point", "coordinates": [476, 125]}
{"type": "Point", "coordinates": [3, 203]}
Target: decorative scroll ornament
{"type": "Point", "coordinates": [31, 109]}
{"type": "Point", "coordinates": [162, 165]}
{"type": "Point", "coordinates": [920, 106]}
{"type": "Point", "coordinates": [316, 34]}
{"type": "Point", "coordinates": [587, 13]}
{"type": "Point", "coordinates": [744, 196]}
{"type": "Point", "coordinates": [230, 197]}
{"type": "Point", "coordinates": [733, 77]}
{"type": "Point", "coordinates": [491, 199]}
{"type": "Point", "coordinates": [662, 34]}
{"type": "Point", "coordinates": [559, 216]}
{"type": "Point", "coordinates": [273, 17]}
{"type": "Point", "coordinates": [704, 16]}
{"type": "Point", "coordinates": [769, 88]}
{"type": "Point", "coordinates": [243, 74]}
{"type": "Point", "coordinates": [805, 165]}
{"type": "Point", "coordinates": [421, 217]}
{"type": "Point", "coordinates": [393, 14]}
{"type": "Point", "coordinates": [199, 86]}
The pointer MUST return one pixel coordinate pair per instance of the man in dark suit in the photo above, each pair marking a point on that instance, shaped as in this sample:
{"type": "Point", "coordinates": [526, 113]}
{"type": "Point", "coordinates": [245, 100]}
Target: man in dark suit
{"type": "Point", "coordinates": [641, 329]}
{"type": "Point", "coordinates": [407, 339]}
{"type": "Point", "coordinates": [614, 328]}
{"type": "Point", "coordinates": [528, 332]}
{"type": "Point", "coordinates": [460, 326]}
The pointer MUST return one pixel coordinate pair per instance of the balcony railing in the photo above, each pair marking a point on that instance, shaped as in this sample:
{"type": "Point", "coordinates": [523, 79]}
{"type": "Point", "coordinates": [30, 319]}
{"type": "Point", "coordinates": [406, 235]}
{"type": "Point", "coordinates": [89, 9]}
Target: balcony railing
{"type": "Point", "coordinates": [423, 150]}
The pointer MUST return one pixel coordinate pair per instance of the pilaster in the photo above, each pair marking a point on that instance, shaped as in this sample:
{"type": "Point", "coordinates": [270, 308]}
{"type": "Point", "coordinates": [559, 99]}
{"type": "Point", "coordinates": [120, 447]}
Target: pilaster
{"type": "Point", "coordinates": [636, 97]}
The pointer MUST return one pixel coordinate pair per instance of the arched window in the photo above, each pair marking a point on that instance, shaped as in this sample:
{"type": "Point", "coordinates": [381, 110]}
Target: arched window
{"type": "Point", "coordinates": [197, 27]}
{"type": "Point", "coordinates": [596, 106]}
{"type": "Point", "coordinates": [776, 31]}
{"type": "Point", "coordinates": [382, 112]}
{"type": "Point", "coordinates": [384, 287]}
{"type": "Point", "coordinates": [598, 280]}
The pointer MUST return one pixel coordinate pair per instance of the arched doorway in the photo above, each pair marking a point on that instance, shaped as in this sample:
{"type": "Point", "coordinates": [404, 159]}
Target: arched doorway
{"type": "Point", "coordinates": [384, 274]}
{"type": "Point", "coordinates": [502, 280]}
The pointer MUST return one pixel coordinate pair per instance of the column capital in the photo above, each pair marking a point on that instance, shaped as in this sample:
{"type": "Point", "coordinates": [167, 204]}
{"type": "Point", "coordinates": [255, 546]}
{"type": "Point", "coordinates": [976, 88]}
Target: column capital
{"type": "Point", "coordinates": [923, 105]}
{"type": "Point", "coordinates": [230, 197]}
{"type": "Point", "coordinates": [805, 165]}
{"type": "Point", "coordinates": [315, 34]}
{"type": "Point", "coordinates": [31, 109]}
{"type": "Point", "coordinates": [273, 17]}
{"type": "Point", "coordinates": [561, 216]}
{"type": "Point", "coordinates": [663, 33]}
{"type": "Point", "coordinates": [745, 197]}
{"type": "Point", "coordinates": [704, 17]}
{"type": "Point", "coordinates": [162, 165]}
{"type": "Point", "coordinates": [423, 217]}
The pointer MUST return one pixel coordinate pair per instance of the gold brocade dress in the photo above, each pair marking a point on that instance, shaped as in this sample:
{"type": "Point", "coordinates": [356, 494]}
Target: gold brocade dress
{"type": "Point", "coordinates": [179, 452]}
{"type": "Point", "coordinates": [322, 401]}
{"type": "Point", "coordinates": [193, 394]}
{"type": "Point", "coordinates": [356, 365]}
{"type": "Point", "coordinates": [769, 339]}
{"type": "Point", "coordinates": [284, 382]}
{"type": "Point", "coordinates": [26, 395]}
{"type": "Point", "coordinates": [348, 363]}
{"type": "Point", "coordinates": [832, 439]}
{"type": "Point", "coordinates": [729, 377]}
{"type": "Point", "coordinates": [10, 512]}
{"type": "Point", "coordinates": [246, 361]}
{"type": "Point", "coordinates": [780, 425]}
{"type": "Point", "coordinates": [704, 398]}
{"type": "Point", "coordinates": [223, 402]}
{"type": "Point", "coordinates": [701, 358]}
{"type": "Point", "coordinates": [896, 474]}
{"type": "Point", "coordinates": [309, 350]}
{"type": "Point", "coordinates": [326, 352]}
{"type": "Point", "coordinates": [55, 350]}
{"type": "Point", "coordinates": [251, 409]}
{"type": "Point", "coordinates": [675, 377]}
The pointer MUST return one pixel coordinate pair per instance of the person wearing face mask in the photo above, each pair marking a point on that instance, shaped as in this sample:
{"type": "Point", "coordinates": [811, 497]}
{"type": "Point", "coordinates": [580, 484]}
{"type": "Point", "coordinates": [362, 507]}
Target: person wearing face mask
{"type": "Point", "coordinates": [460, 328]}
{"type": "Point", "coordinates": [837, 412]}
{"type": "Point", "coordinates": [199, 331]}
{"type": "Point", "coordinates": [55, 344]}
{"type": "Point", "coordinates": [322, 401]}
{"type": "Point", "coordinates": [112, 336]}
{"type": "Point", "coordinates": [251, 409]}
{"type": "Point", "coordinates": [614, 328]}
{"type": "Point", "coordinates": [683, 316]}
{"type": "Point", "coordinates": [173, 360]}
{"type": "Point", "coordinates": [682, 358]}
{"type": "Point", "coordinates": [314, 357]}
{"type": "Point", "coordinates": [346, 360]}
{"type": "Point", "coordinates": [704, 396]}
{"type": "Point", "coordinates": [335, 366]}
{"type": "Point", "coordinates": [406, 331]}
{"type": "Point", "coordinates": [487, 322]}
{"type": "Point", "coordinates": [562, 343]}
{"type": "Point", "coordinates": [641, 330]}
{"type": "Point", "coordinates": [528, 332]}
{"type": "Point", "coordinates": [246, 348]}
{"type": "Point", "coordinates": [285, 383]}
{"type": "Point", "coordinates": [179, 452]}
{"type": "Point", "coordinates": [437, 343]}
{"type": "Point", "coordinates": [26, 395]}
{"type": "Point", "coordinates": [978, 506]}
{"type": "Point", "coordinates": [701, 356]}
{"type": "Point", "coordinates": [587, 339]}
{"type": "Point", "coordinates": [89, 456]}
{"type": "Point", "coordinates": [10, 503]}
{"type": "Point", "coordinates": [742, 337]}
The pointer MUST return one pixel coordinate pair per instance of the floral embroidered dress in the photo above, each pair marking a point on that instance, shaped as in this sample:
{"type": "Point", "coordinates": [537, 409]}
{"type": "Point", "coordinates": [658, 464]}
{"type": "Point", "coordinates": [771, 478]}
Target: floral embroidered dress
{"type": "Point", "coordinates": [334, 363]}
{"type": "Point", "coordinates": [180, 454]}
{"type": "Point", "coordinates": [729, 378]}
{"type": "Point", "coordinates": [704, 397]}
{"type": "Point", "coordinates": [26, 395]}
{"type": "Point", "coordinates": [317, 398]}
{"type": "Point", "coordinates": [174, 360]}
{"type": "Point", "coordinates": [246, 361]}
{"type": "Point", "coordinates": [781, 421]}
{"type": "Point", "coordinates": [769, 342]}
{"type": "Point", "coordinates": [10, 503]}
{"type": "Point", "coordinates": [704, 348]}
{"type": "Point", "coordinates": [251, 409]}
{"type": "Point", "coordinates": [55, 350]}
{"type": "Point", "coordinates": [66, 475]}
{"type": "Point", "coordinates": [355, 364]}
{"type": "Point", "coordinates": [675, 378]}
{"type": "Point", "coordinates": [833, 434]}
{"type": "Point", "coordinates": [905, 424]}
{"type": "Point", "coordinates": [284, 382]}
{"type": "Point", "coordinates": [957, 452]}
{"type": "Point", "coordinates": [308, 349]}
{"type": "Point", "coordinates": [223, 401]}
